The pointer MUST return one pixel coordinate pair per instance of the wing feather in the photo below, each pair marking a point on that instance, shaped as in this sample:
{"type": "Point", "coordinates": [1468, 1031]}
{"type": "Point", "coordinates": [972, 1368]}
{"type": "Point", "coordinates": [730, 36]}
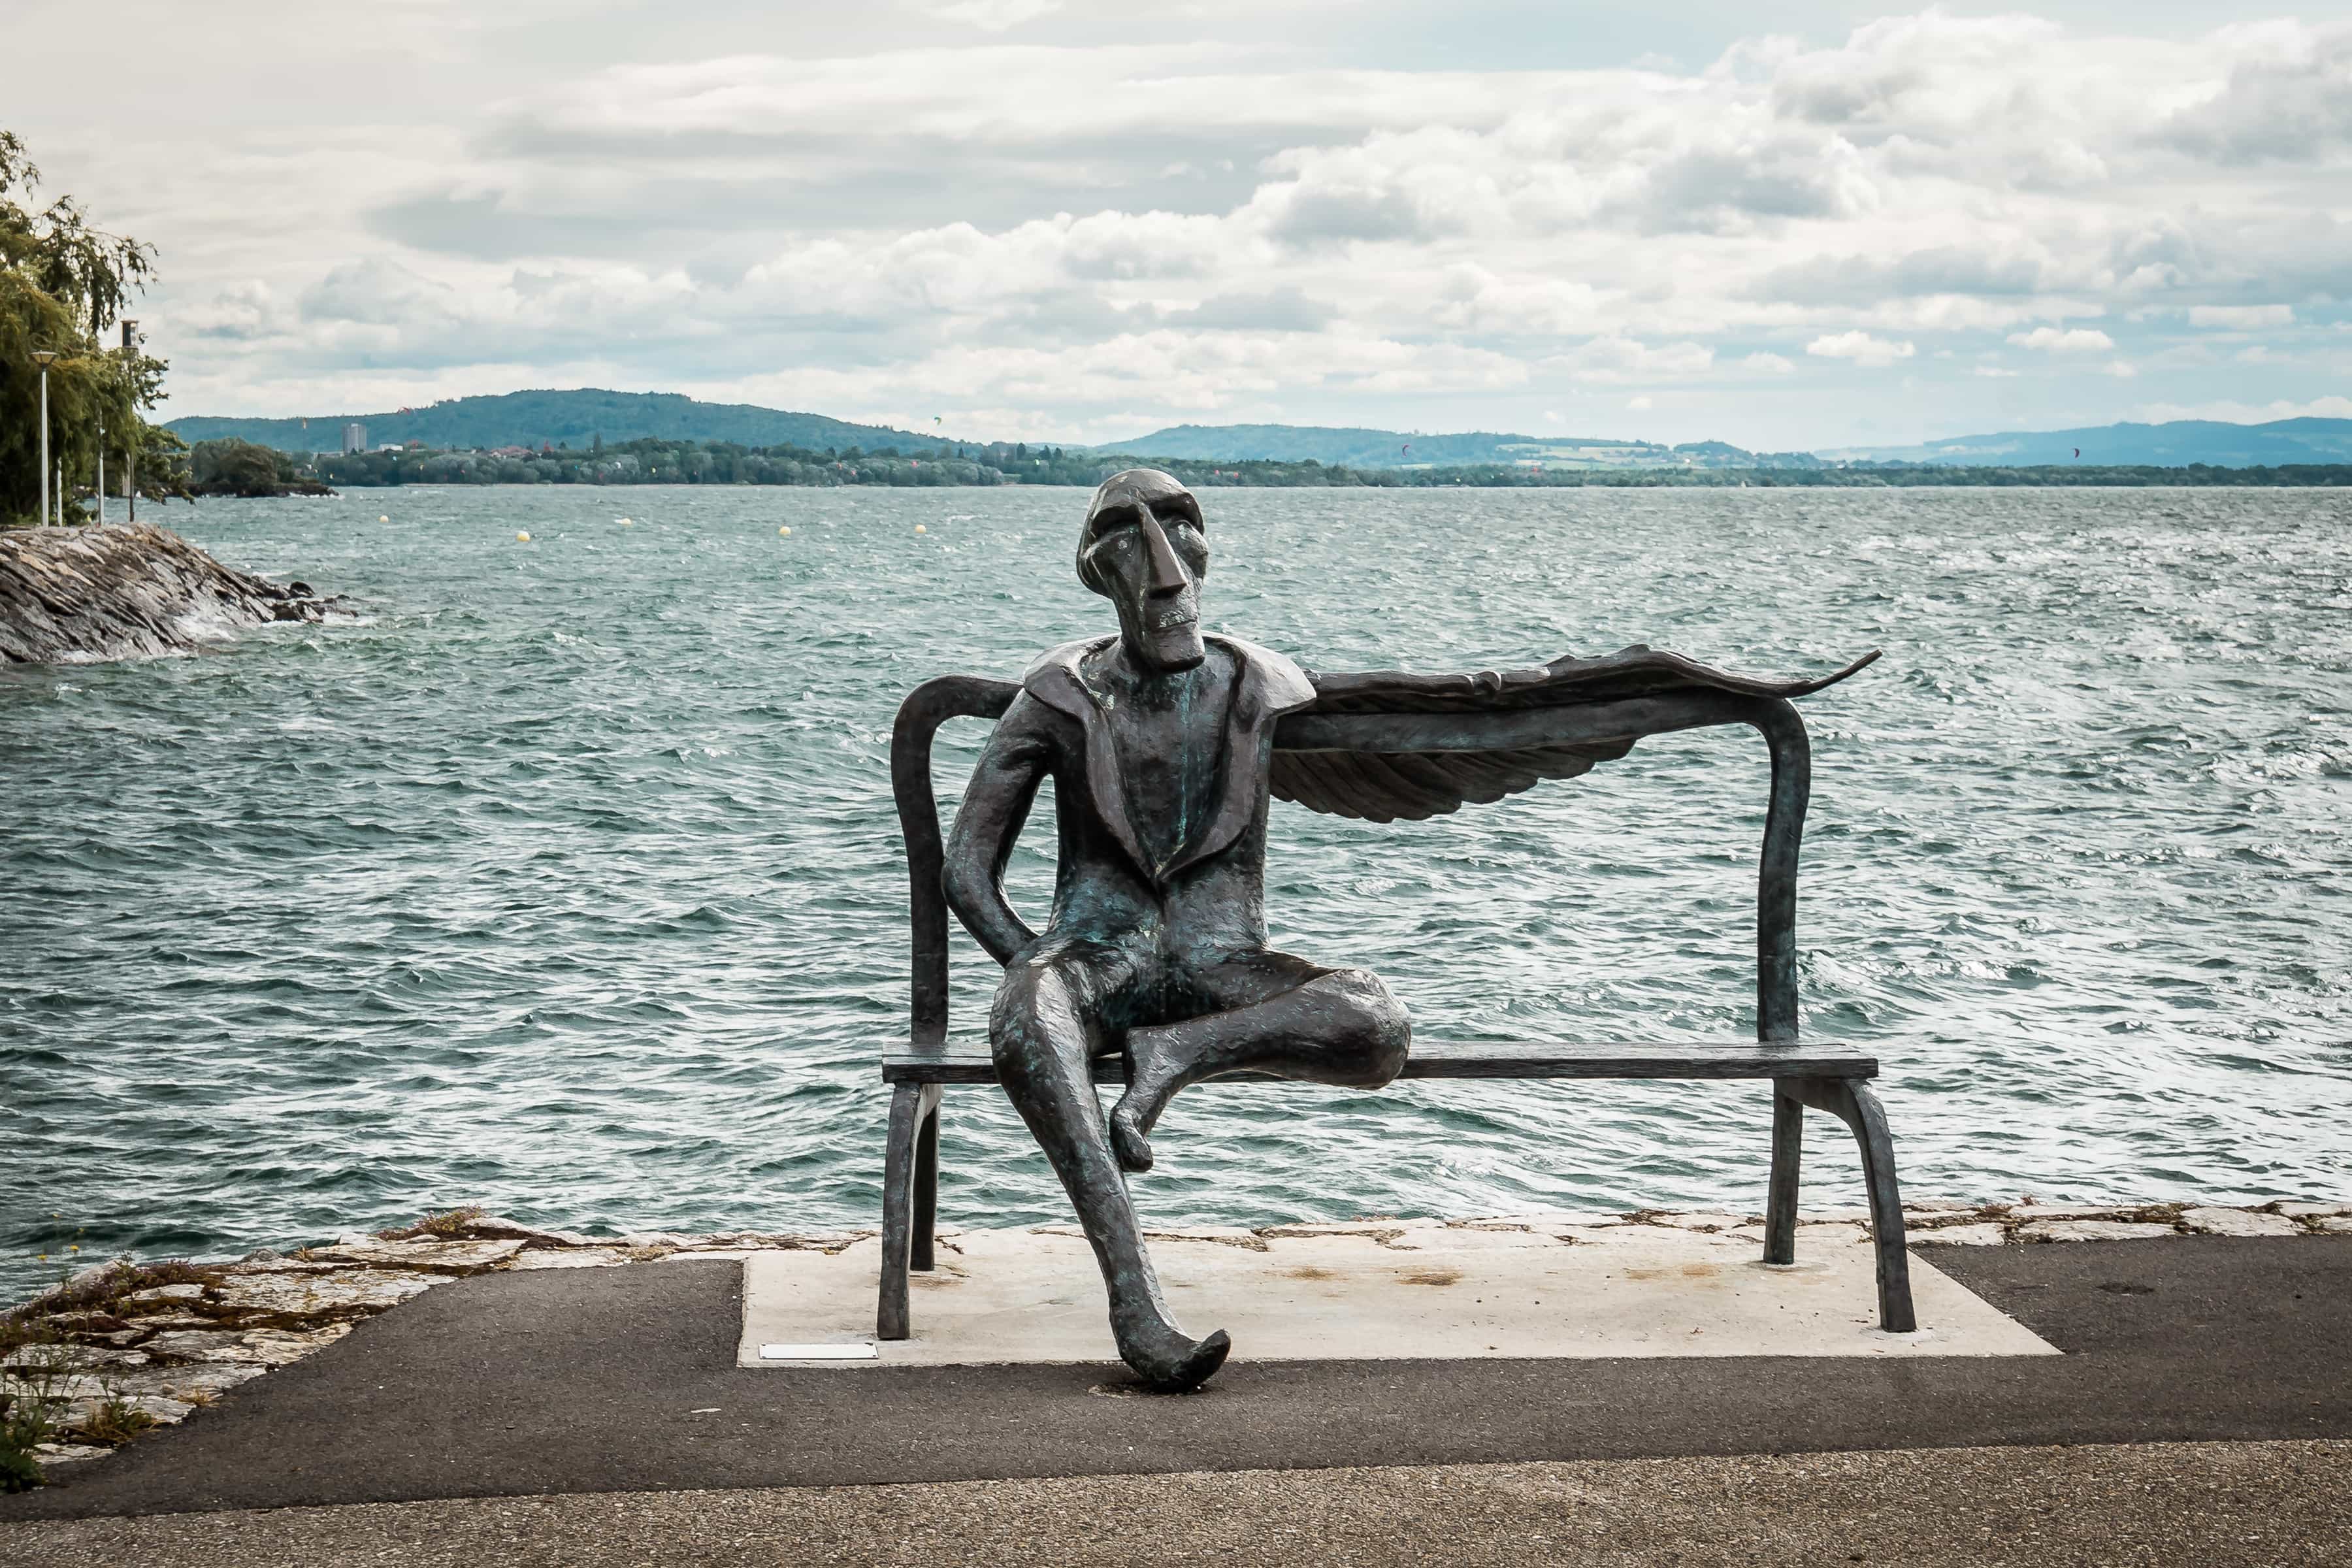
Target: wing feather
{"type": "Point", "coordinates": [1389, 785]}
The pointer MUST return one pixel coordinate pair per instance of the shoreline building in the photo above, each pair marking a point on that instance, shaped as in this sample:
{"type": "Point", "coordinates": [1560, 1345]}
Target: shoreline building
{"type": "Point", "coordinates": [354, 438]}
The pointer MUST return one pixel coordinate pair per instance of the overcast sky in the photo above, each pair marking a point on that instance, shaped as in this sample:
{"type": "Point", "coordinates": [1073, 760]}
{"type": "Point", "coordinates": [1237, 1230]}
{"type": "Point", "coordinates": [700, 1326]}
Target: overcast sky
{"type": "Point", "coordinates": [1081, 222]}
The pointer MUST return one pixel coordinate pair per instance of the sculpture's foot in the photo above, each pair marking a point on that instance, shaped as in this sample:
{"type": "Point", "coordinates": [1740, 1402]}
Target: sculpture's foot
{"type": "Point", "coordinates": [1166, 1358]}
{"type": "Point", "coordinates": [1127, 1140]}
{"type": "Point", "coordinates": [1156, 1061]}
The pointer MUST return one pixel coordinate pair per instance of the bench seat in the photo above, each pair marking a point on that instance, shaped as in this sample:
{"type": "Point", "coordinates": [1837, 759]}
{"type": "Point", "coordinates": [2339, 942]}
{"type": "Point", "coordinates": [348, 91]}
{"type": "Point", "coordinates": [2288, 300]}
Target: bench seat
{"type": "Point", "coordinates": [967, 1062]}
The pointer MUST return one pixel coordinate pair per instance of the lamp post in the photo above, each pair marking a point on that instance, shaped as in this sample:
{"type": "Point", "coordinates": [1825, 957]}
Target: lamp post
{"type": "Point", "coordinates": [42, 357]}
{"type": "Point", "coordinates": [130, 449]}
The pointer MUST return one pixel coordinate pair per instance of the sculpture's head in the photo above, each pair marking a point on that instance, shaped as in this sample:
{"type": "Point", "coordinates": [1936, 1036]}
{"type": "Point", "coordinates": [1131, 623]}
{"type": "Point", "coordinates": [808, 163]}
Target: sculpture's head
{"type": "Point", "coordinates": [1144, 549]}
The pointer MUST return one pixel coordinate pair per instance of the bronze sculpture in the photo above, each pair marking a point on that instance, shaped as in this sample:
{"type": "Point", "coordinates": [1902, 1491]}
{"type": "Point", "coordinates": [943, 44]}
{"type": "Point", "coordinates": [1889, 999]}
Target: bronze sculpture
{"type": "Point", "coordinates": [1161, 743]}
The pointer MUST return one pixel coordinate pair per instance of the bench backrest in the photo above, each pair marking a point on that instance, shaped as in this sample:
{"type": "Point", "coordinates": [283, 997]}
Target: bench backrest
{"type": "Point", "coordinates": [934, 702]}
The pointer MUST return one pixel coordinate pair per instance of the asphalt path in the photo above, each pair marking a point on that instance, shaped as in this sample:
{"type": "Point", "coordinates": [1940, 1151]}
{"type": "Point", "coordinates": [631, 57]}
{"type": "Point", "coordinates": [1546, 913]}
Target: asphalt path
{"type": "Point", "coordinates": [623, 1380]}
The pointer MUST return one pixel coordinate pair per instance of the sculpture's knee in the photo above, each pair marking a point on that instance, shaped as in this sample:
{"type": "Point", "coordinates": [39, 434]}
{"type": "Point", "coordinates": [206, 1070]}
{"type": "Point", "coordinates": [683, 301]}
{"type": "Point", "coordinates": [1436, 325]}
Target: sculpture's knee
{"type": "Point", "coordinates": [1033, 1024]}
{"type": "Point", "coordinates": [1374, 1019]}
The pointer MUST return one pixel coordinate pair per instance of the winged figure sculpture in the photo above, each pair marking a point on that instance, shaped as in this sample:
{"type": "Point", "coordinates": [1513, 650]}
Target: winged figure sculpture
{"type": "Point", "coordinates": [1165, 746]}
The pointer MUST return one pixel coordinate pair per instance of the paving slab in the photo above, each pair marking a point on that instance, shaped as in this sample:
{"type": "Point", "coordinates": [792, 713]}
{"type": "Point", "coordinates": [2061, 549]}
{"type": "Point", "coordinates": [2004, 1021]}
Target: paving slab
{"type": "Point", "coordinates": [623, 1380]}
{"type": "Point", "coordinates": [2215, 1505]}
{"type": "Point", "coordinates": [1029, 1297]}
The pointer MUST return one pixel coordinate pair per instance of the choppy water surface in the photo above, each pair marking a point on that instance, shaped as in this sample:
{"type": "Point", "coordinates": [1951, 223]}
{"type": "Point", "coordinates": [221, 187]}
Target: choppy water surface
{"type": "Point", "coordinates": [568, 880]}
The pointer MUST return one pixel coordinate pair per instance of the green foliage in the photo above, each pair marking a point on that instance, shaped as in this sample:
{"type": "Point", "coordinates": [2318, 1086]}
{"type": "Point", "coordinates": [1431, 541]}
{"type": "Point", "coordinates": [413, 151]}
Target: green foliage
{"type": "Point", "coordinates": [26, 1420]}
{"type": "Point", "coordinates": [234, 467]}
{"type": "Point", "coordinates": [62, 283]}
{"type": "Point", "coordinates": [927, 464]}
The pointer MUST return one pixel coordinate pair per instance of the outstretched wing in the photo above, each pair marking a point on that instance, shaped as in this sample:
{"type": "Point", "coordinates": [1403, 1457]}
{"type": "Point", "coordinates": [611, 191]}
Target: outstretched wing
{"type": "Point", "coordinates": [1385, 745]}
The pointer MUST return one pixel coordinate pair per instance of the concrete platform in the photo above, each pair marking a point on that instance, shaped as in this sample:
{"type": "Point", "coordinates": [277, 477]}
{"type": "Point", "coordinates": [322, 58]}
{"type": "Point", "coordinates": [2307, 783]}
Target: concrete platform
{"type": "Point", "coordinates": [516, 1386]}
{"type": "Point", "coordinates": [1415, 1290]}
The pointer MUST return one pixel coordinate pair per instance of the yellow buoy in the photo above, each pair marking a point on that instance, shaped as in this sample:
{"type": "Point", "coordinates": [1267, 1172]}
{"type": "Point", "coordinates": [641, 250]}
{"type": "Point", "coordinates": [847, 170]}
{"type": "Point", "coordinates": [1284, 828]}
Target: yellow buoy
{"type": "Point", "coordinates": [921, 529]}
{"type": "Point", "coordinates": [522, 539]}
{"type": "Point", "coordinates": [383, 519]}
{"type": "Point", "coordinates": [621, 521]}
{"type": "Point", "coordinates": [784, 530]}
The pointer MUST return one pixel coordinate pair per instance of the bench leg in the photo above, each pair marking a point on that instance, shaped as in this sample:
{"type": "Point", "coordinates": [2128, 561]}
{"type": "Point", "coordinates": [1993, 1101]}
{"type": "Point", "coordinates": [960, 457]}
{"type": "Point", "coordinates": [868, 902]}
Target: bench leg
{"type": "Point", "coordinates": [1788, 1156]}
{"type": "Point", "coordinates": [911, 1104]}
{"type": "Point", "coordinates": [1852, 1102]}
{"type": "Point", "coordinates": [926, 1185]}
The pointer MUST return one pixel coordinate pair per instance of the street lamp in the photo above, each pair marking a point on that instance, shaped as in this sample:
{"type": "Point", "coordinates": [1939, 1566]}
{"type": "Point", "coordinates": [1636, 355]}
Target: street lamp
{"type": "Point", "coordinates": [131, 450]}
{"type": "Point", "coordinates": [42, 357]}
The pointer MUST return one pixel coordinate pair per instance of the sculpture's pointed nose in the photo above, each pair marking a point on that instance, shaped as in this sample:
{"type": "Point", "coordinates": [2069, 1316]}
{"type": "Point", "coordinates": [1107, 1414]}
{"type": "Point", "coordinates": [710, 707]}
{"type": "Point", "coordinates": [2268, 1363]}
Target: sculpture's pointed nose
{"type": "Point", "coordinates": [1167, 571]}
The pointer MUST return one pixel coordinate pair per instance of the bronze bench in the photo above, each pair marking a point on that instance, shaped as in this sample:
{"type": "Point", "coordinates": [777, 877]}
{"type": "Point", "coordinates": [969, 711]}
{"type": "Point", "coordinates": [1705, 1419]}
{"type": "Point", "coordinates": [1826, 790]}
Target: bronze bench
{"type": "Point", "coordinates": [1825, 1078]}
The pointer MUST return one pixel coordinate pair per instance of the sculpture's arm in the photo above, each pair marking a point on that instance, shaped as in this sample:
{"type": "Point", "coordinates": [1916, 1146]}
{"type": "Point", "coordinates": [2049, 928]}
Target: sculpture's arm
{"type": "Point", "coordinates": [988, 823]}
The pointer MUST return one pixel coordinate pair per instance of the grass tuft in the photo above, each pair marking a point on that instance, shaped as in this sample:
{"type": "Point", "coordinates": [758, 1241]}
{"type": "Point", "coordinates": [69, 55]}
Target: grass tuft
{"type": "Point", "coordinates": [115, 1423]}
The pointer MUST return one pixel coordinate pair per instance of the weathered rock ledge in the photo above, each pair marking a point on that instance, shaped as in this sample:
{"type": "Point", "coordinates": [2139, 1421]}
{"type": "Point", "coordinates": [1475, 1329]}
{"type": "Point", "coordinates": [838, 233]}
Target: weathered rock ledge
{"type": "Point", "coordinates": [125, 1346]}
{"type": "Point", "coordinates": [127, 591]}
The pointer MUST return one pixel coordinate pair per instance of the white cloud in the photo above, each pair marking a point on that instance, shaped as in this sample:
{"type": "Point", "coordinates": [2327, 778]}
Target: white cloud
{"type": "Point", "coordinates": [2065, 340]}
{"type": "Point", "coordinates": [1037, 234]}
{"type": "Point", "coordinates": [2122, 369]}
{"type": "Point", "coordinates": [1638, 405]}
{"type": "Point", "coordinates": [2241, 318]}
{"type": "Point", "coordinates": [994, 15]}
{"type": "Point", "coordinates": [1860, 347]}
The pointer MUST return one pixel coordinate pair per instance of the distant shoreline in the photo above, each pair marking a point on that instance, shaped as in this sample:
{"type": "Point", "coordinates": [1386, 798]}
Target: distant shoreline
{"type": "Point", "coordinates": [652, 462]}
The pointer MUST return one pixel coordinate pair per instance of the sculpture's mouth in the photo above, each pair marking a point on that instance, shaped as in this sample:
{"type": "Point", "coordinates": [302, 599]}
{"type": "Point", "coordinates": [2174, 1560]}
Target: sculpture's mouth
{"type": "Point", "coordinates": [1173, 618]}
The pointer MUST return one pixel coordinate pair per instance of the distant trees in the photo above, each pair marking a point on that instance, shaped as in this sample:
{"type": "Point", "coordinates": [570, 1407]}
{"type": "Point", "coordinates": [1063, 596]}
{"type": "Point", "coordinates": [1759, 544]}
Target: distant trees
{"type": "Point", "coordinates": [63, 283]}
{"type": "Point", "coordinates": [233, 468]}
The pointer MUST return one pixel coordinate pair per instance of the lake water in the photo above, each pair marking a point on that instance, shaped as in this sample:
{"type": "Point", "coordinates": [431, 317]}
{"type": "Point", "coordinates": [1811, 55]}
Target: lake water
{"type": "Point", "coordinates": [567, 880]}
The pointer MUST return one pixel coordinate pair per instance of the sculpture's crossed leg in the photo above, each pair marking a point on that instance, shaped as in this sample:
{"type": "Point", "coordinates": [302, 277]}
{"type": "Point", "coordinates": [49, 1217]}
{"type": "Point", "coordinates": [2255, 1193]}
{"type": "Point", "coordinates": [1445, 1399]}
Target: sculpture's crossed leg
{"type": "Point", "coordinates": [1275, 1014]}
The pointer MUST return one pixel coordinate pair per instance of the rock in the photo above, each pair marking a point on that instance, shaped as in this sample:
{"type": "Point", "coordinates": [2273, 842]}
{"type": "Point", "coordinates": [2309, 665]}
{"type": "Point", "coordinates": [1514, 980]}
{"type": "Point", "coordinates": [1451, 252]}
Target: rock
{"type": "Point", "coordinates": [316, 1295]}
{"type": "Point", "coordinates": [158, 1321]}
{"type": "Point", "coordinates": [85, 1323]}
{"type": "Point", "coordinates": [71, 1358]}
{"type": "Point", "coordinates": [228, 1346]}
{"type": "Point", "coordinates": [194, 1383]}
{"type": "Point", "coordinates": [2238, 1222]}
{"type": "Point", "coordinates": [2338, 1225]}
{"type": "Point", "coordinates": [70, 1386]}
{"type": "Point", "coordinates": [492, 1227]}
{"type": "Point", "coordinates": [163, 1410]}
{"type": "Point", "coordinates": [1979, 1235]}
{"type": "Point", "coordinates": [125, 591]}
{"type": "Point", "coordinates": [68, 1453]}
{"type": "Point", "coordinates": [2072, 1211]}
{"type": "Point", "coordinates": [2314, 1211]}
{"type": "Point", "coordinates": [274, 1347]}
{"type": "Point", "coordinates": [1832, 1216]}
{"type": "Point", "coordinates": [159, 1295]}
{"type": "Point", "coordinates": [573, 1257]}
{"type": "Point", "coordinates": [2091, 1230]}
{"type": "Point", "coordinates": [434, 1256]}
{"type": "Point", "coordinates": [285, 1266]}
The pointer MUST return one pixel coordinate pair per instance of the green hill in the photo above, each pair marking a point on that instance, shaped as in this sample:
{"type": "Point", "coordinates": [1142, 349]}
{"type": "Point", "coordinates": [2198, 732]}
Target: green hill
{"type": "Point", "coordinates": [1362, 448]}
{"type": "Point", "coordinates": [2174, 445]}
{"type": "Point", "coordinates": [557, 418]}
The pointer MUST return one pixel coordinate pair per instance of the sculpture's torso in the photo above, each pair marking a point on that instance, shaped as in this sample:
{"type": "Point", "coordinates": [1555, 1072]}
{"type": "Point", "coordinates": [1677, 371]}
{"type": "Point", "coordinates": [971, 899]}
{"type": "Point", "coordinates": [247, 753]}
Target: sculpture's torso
{"type": "Point", "coordinates": [1160, 797]}
{"type": "Point", "coordinates": [1169, 735]}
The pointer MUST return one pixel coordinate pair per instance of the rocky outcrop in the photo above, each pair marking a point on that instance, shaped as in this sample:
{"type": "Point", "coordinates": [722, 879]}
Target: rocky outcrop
{"type": "Point", "coordinates": [127, 591]}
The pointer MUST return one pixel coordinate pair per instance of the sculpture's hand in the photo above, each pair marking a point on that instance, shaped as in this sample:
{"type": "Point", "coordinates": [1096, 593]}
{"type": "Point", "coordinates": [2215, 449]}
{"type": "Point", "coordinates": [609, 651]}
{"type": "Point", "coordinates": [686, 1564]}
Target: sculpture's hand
{"type": "Point", "coordinates": [988, 823]}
